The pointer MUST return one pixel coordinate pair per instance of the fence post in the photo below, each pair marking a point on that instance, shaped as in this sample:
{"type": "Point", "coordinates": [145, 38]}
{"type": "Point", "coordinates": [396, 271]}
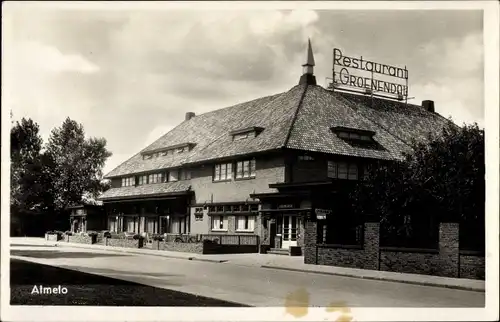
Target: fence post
{"type": "Point", "coordinates": [449, 248]}
{"type": "Point", "coordinates": [239, 240]}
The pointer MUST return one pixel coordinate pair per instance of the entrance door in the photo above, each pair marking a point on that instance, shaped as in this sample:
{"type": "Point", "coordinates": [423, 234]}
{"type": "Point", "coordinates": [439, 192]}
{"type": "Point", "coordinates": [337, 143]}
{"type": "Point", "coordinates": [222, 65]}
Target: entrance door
{"type": "Point", "coordinates": [289, 231]}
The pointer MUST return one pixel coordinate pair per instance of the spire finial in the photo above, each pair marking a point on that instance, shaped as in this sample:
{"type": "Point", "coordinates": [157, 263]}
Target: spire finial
{"type": "Point", "coordinates": [308, 67]}
{"type": "Point", "coordinates": [310, 55]}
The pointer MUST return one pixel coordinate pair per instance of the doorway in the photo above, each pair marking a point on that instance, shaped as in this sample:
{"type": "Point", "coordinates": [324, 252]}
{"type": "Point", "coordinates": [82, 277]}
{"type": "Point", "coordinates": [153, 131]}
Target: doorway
{"type": "Point", "coordinates": [289, 234]}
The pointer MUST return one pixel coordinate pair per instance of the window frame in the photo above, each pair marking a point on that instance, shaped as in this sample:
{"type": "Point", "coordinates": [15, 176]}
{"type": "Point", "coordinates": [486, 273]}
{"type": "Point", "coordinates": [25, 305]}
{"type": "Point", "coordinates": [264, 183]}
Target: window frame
{"type": "Point", "coordinates": [222, 220]}
{"type": "Point", "coordinates": [171, 176]}
{"type": "Point", "coordinates": [350, 170]}
{"type": "Point", "coordinates": [246, 169]}
{"type": "Point", "coordinates": [219, 169]}
{"type": "Point", "coordinates": [249, 222]}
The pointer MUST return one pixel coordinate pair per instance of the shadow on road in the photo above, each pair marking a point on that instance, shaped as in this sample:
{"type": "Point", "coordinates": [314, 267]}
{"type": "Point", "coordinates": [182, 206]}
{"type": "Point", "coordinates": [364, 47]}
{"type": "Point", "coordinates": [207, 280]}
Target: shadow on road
{"type": "Point", "coordinates": [30, 245]}
{"type": "Point", "coordinates": [89, 289]}
{"type": "Point", "coordinates": [59, 254]}
{"type": "Point", "coordinates": [114, 271]}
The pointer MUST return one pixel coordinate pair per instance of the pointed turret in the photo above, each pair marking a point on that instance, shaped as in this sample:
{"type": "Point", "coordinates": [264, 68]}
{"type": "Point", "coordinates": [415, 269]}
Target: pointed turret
{"type": "Point", "coordinates": [308, 68]}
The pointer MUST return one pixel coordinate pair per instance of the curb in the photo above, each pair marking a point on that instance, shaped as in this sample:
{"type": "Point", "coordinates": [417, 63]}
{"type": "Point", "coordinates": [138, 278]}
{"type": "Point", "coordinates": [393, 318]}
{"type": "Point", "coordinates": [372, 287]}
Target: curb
{"type": "Point", "coordinates": [393, 280]}
{"type": "Point", "coordinates": [113, 249]}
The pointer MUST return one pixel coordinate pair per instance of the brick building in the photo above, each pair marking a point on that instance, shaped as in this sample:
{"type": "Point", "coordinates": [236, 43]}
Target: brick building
{"type": "Point", "coordinates": [266, 167]}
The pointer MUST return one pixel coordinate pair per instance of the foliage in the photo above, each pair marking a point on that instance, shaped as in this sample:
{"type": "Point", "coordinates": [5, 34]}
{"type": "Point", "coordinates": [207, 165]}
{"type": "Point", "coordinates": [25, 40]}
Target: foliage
{"type": "Point", "coordinates": [30, 179]}
{"type": "Point", "coordinates": [47, 179]}
{"type": "Point", "coordinates": [78, 163]}
{"type": "Point", "coordinates": [441, 180]}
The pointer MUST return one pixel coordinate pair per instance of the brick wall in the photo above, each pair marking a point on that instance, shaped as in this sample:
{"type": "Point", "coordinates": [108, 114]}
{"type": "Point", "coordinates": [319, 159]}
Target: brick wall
{"type": "Point", "coordinates": [309, 170]}
{"type": "Point", "coordinates": [196, 248]}
{"type": "Point", "coordinates": [268, 170]}
{"type": "Point", "coordinates": [366, 256]}
{"type": "Point", "coordinates": [80, 239]}
{"type": "Point", "coordinates": [409, 261]}
{"type": "Point", "coordinates": [444, 261]}
{"type": "Point", "coordinates": [472, 266]}
{"type": "Point", "coordinates": [310, 238]}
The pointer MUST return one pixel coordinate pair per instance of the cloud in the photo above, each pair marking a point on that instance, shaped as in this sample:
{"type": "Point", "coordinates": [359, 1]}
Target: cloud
{"type": "Point", "coordinates": [34, 57]}
{"type": "Point", "coordinates": [129, 76]}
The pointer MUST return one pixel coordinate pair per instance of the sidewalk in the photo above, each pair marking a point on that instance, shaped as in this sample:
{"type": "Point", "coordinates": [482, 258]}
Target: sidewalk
{"type": "Point", "coordinates": [289, 263]}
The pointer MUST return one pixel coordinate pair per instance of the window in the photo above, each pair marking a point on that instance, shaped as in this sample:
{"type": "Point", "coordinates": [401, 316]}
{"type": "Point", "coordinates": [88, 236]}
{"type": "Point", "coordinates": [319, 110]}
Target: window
{"type": "Point", "coordinates": [223, 172]}
{"type": "Point", "coordinates": [219, 223]}
{"type": "Point", "coordinates": [305, 158]}
{"type": "Point", "coordinates": [242, 136]}
{"type": "Point", "coordinates": [127, 182]}
{"type": "Point", "coordinates": [185, 174]}
{"type": "Point", "coordinates": [198, 214]}
{"type": "Point", "coordinates": [245, 223]}
{"type": "Point", "coordinates": [352, 172]}
{"type": "Point", "coordinates": [245, 169]}
{"type": "Point", "coordinates": [354, 136]}
{"type": "Point", "coordinates": [173, 175]}
{"type": "Point", "coordinates": [342, 170]}
{"type": "Point", "coordinates": [156, 178]}
{"type": "Point", "coordinates": [143, 180]}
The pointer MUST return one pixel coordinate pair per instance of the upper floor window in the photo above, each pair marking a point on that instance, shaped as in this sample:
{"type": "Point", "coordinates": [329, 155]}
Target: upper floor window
{"type": "Point", "coordinates": [156, 178]}
{"type": "Point", "coordinates": [185, 174]}
{"type": "Point", "coordinates": [173, 175]}
{"type": "Point", "coordinates": [245, 169]}
{"type": "Point", "coordinates": [354, 136]}
{"type": "Point", "coordinates": [342, 170]}
{"type": "Point", "coordinates": [305, 158]}
{"type": "Point", "coordinates": [143, 180]}
{"type": "Point", "coordinates": [129, 181]}
{"type": "Point", "coordinates": [223, 172]}
{"type": "Point", "coordinates": [242, 136]}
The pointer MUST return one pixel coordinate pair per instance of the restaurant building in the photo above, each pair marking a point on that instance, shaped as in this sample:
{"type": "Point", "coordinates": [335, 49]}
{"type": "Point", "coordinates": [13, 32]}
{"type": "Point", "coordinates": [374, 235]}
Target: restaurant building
{"type": "Point", "coordinates": [265, 167]}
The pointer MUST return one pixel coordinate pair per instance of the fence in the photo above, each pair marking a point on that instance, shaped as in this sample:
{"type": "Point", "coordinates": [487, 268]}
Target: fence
{"type": "Point", "coordinates": [445, 260]}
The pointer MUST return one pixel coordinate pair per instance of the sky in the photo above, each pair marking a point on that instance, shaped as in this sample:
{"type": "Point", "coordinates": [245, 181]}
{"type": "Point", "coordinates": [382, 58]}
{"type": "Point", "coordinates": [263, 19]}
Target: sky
{"type": "Point", "coordinates": [131, 75]}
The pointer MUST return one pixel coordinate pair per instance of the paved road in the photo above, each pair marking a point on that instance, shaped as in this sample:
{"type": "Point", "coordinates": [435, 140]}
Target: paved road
{"type": "Point", "coordinates": [248, 285]}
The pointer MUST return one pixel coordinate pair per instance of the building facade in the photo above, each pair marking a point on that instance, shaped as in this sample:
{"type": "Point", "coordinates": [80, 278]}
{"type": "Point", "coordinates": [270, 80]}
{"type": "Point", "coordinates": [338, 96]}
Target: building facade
{"type": "Point", "coordinates": [265, 167]}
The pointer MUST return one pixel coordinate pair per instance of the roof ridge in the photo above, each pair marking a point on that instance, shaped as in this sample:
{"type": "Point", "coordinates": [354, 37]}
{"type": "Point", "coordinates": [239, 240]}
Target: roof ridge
{"type": "Point", "coordinates": [285, 143]}
{"type": "Point", "coordinates": [349, 105]}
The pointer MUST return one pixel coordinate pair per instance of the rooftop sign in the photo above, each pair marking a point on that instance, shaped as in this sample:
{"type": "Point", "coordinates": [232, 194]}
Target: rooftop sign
{"type": "Point", "coordinates": [343, 77]}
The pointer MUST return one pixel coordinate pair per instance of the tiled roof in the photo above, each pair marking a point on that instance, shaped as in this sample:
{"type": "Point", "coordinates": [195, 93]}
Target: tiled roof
{"type": "Point", "coordinates": [301, 118]}
{"type": "Point", "coordinates": [146, 190]}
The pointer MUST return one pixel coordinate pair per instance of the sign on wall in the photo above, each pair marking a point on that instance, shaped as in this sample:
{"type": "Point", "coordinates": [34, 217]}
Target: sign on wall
{"type": "Point", "coordinates": [322, 213]}
{"type": "Point", "coordinates": [367, 76]}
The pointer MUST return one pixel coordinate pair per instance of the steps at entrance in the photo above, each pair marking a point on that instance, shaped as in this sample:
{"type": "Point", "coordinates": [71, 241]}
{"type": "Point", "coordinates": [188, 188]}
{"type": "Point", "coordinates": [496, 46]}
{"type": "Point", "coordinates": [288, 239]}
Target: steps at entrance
{"type": "Point", "coordinates": [279, 251]}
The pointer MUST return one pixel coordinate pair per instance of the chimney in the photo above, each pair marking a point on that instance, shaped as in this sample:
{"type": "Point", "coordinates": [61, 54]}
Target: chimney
{"type": "Point", "coordinates": [428, 105]}
{"type": "Point", "coordinates": [190, 115]}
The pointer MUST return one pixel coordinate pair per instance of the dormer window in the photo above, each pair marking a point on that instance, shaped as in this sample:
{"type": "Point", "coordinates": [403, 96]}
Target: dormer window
{"type": "Point", "coordinates": [177, 148]}
{"type": "Point", "coordinates": [246, 133]}
{"type": "Point", "coordinates": [237, 137]}
{"type": "Point", "coordinates": [357, 137]}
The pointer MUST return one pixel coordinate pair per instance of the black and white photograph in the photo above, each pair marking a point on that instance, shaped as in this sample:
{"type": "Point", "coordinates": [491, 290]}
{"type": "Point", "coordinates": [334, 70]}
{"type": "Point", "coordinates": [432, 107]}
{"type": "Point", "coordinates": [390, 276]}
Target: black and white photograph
{"type": "Point", "coordinates": [278, 161]}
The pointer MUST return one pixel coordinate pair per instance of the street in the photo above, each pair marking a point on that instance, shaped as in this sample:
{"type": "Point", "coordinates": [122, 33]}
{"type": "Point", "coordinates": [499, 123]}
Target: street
{"type": "Point", "coordinates": [247, 285]}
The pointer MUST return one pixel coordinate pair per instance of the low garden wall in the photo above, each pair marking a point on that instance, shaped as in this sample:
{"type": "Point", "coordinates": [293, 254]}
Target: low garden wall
{"type": "Point", "coordinates": [122, 242]}
{"type": "Point", "coordinates": [81, 239]}
{"type": "Point", "coordinates": [472, 265]}
{"type": "Point", "coordinates": [446, 260]}
{"type": "Point", "coordinates": [210, 244]}
{"type": "Point", "coordinates": [53, 237]}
